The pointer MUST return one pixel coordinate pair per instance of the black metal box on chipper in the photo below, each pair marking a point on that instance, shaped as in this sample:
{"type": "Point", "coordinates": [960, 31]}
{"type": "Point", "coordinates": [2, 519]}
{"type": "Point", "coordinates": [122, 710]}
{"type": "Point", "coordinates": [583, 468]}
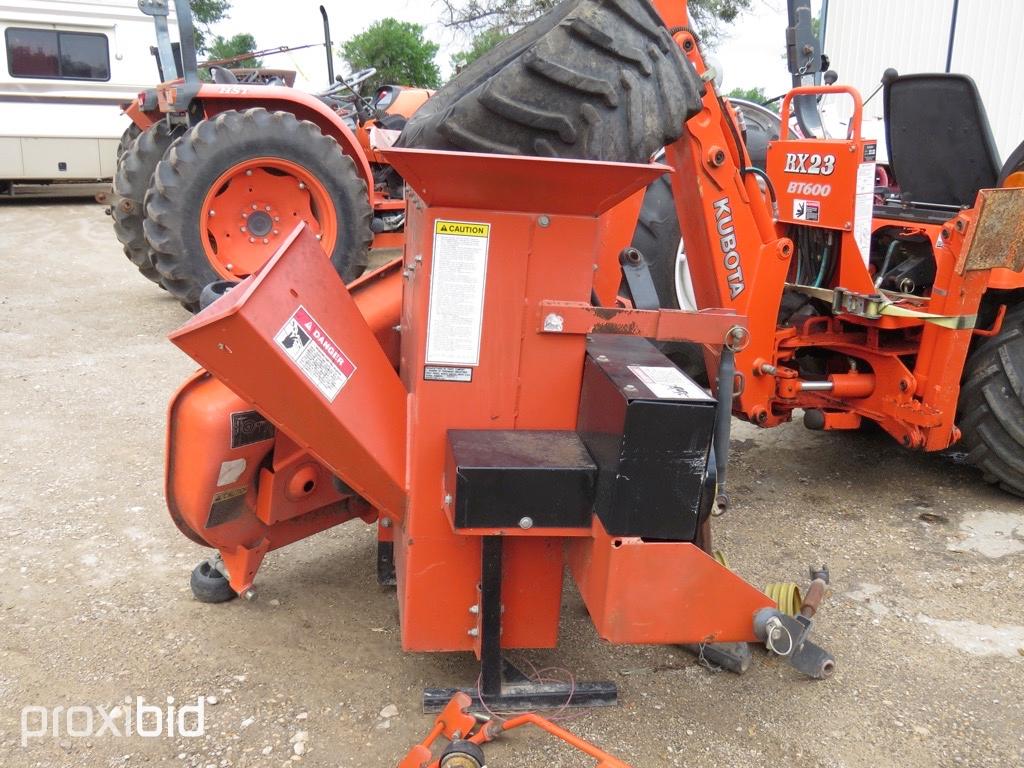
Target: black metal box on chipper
{"type": "Point", "coordinates": [504, 478]}
{"type": "Point", "coordinates": [649, 428]}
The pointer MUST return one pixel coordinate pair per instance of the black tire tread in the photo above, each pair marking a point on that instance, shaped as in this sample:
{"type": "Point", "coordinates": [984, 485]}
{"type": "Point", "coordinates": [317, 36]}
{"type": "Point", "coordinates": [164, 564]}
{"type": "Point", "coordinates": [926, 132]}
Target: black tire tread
{"type": "Point", "coordinates": [991, 405]}
{"type": "Point", "coordinates": [594, 80]}
{"type": "Point", "coordinates": [174, 196]}
{"type": "Point", "coordinates": [131, 181]}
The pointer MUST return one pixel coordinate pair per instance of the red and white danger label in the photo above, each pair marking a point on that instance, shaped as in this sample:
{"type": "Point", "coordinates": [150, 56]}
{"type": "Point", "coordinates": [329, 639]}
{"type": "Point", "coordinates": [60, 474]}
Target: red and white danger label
{"type": "Point", "coordinates": [315, 353]}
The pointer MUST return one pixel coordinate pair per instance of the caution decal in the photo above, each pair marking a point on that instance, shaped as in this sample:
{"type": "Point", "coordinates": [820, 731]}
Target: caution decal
{"type": "Point", "coordinates": [467, 228]}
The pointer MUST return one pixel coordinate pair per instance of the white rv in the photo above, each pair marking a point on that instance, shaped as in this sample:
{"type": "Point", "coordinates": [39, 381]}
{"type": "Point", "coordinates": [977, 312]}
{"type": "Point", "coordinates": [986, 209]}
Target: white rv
{"type": "Point", "coordinates": [65, 69]}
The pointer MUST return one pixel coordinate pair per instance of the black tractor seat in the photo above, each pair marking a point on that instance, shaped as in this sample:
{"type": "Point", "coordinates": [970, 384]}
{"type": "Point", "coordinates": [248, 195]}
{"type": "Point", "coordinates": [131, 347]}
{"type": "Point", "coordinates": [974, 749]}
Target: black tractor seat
{"type": "Point", "coordinates": [941, 150]}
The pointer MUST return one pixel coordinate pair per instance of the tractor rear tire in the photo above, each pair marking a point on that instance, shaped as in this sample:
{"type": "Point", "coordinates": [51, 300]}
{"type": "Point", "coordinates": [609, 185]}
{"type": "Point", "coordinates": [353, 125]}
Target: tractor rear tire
{"type": "Point", "coordinates": [657, 238]}
{"type": "Point", "coordinates": [992, 405]}
{"type": "Point", "coordinates": [131, 133]}
{"type": "Point", "coordinates": [134, 175]}
{"type": "Point", "coordinates": [299, 169]}
{"type": "Point", "coordinates": [591, 79]}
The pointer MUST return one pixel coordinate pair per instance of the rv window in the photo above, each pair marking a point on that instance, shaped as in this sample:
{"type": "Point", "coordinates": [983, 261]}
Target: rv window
{"type": "Point", "coordinates": [57, 55]}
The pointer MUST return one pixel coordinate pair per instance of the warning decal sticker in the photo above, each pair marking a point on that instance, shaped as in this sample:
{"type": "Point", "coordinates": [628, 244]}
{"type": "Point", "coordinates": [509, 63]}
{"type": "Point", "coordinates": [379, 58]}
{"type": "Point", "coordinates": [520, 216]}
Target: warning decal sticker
{"type": "Point", "coordinates": [447, 373]}
{"type": "Point", "coordinates": [864, 208]}
{"type": "Point", "coordinates": [457, 279]}
{"type": "Point", "coordinates": [806, 210]}
{"type": "Point", "coordinates": [668, 382]}
{"type": "Point", "coordinates": [315, 353]}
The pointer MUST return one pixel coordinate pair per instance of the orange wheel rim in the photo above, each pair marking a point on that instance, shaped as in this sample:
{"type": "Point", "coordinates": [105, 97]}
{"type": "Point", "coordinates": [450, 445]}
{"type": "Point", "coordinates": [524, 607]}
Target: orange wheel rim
{"type": "Point", "coordinates": [1015, 179]}
{"type": "Point", "coordinates": [253, 206]}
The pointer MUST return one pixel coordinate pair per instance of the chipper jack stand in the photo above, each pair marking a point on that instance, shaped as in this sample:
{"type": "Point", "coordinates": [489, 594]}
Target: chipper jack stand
{"type": "Point", "coordinates": [515, 424]}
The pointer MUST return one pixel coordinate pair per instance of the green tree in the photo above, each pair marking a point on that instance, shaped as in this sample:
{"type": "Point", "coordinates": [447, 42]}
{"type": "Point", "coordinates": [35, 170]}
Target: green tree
{"type": "Point", "coordinates": [398, 51]}
{"type": "Point", "coordinates": [229, 48]}
{"type": "Point", "coordinates": [475, 16]}
{"type": "Point", "coordinates": [750, 94]}
{"type": "Point", "coordinates": [480, 44]}
{"type": "Point", "coordinates": [206, 13]}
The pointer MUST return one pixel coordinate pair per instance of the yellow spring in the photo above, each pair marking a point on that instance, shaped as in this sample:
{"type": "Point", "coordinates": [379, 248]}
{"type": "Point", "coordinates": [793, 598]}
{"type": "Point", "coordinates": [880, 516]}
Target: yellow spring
{"type": "Point", "coordinates": [786, 596]}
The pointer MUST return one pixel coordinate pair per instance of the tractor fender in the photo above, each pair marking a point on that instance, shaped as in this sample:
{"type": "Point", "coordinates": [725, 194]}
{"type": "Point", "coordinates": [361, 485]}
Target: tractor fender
{"type": "Point", "coordinates": [212, 99]}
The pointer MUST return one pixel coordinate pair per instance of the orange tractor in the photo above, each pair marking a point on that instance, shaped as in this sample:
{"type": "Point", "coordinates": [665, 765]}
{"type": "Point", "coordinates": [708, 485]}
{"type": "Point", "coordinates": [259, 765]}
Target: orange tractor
{"type": "Point", "coordinates": [220, 172]}
{"type": "Point", "coordinates": [498, 410]}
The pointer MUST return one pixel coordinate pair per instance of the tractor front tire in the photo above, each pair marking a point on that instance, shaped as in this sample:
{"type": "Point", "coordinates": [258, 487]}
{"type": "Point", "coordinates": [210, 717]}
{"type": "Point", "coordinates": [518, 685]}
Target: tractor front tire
{"type": "Point", "coordinates": [591, 79]}
{"type": "Point", "coordinates": [135, 169]}
{"type": "Point", "coordinates": [991, 406]}
{"type": "Point", "coordinates": [233, 187]}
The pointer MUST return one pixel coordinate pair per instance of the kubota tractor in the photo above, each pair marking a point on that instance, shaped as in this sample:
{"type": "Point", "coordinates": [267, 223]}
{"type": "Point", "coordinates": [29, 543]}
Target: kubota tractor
{"type": "Point", "coordinates": [219, 172]}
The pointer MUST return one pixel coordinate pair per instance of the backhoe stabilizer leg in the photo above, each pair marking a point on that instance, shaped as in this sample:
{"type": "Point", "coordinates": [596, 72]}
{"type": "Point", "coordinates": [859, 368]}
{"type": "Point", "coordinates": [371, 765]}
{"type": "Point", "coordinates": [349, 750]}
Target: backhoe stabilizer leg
{"type": "Point", "coordinates": [786, 636]}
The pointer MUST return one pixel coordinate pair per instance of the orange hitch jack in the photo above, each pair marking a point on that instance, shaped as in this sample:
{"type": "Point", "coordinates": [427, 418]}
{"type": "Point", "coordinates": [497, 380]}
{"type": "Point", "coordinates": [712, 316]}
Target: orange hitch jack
{"type": "Point", "coordinates": [467, 732]}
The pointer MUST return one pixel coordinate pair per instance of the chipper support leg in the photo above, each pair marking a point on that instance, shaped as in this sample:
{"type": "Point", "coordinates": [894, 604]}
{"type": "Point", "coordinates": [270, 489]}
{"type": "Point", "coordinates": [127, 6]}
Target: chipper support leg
{"type": "Point", "coordinates": [501, 686]}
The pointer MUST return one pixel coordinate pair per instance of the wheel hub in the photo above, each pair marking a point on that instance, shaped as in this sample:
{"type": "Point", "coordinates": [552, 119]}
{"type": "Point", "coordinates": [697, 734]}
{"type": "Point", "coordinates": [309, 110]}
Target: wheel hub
{"type": "Point", "coordinates": [260, 223]}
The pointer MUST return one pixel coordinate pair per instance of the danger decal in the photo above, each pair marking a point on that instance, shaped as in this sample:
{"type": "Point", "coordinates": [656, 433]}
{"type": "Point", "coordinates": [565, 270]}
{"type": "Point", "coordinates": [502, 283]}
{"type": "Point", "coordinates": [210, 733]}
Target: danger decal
{"type": "Point", "coordinates": [314, 353]}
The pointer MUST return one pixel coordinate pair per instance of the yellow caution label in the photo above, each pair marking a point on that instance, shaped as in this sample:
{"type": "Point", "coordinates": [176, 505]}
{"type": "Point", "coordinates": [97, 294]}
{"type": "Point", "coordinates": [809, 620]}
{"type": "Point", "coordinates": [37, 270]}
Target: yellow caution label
{"type": "Point", "coordinates": [469, 229]}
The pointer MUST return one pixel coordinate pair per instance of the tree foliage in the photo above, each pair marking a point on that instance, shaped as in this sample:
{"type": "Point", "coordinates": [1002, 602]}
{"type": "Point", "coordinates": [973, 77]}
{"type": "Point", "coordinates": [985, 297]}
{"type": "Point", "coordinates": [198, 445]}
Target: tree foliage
{"type": "Point", "coordinates": [206, 13]}
{"type": "Point", "coordinates": [750, 94]}
{"type": "Point", "coordinates": [479, 45]}
{"type": "Point", "coordinates": [236, 45]}
{"type": "Point", "coordinates": [398, 51]}
{"type": "Point", "coordinates": [478, 16]}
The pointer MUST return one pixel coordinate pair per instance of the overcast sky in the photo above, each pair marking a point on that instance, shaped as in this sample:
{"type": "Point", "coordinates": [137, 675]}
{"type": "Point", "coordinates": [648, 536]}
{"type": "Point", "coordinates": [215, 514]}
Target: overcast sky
{"type": "Point", "coordinates": [751, 52]}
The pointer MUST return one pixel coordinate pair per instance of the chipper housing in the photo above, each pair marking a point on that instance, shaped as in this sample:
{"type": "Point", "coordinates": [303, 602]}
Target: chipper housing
{"type": "Point", "coordinates": [503, 435]}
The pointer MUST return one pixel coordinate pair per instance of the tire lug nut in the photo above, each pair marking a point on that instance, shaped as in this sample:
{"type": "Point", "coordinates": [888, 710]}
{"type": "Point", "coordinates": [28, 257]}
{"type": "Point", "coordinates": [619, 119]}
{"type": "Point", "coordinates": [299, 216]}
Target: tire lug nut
{"type": "Point", "coordinates": [275, 232]}
{"type": "Point", "coordinates": [267, 208]}
{"type": "Point", "coordinates": [252, 239]}
{"type": "Point", "coordinates": [265, 241]}
{"type": "Point", "coordinates": [242, 228]}
{"type": "Point", "coordinates": [277, 218]}
{"type": "Point", "coordinates": [255, 207]}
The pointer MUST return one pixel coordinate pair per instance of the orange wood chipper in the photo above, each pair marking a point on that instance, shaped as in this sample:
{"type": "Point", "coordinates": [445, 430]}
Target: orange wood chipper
{"type": "Point", "coordinates": [502, 418]}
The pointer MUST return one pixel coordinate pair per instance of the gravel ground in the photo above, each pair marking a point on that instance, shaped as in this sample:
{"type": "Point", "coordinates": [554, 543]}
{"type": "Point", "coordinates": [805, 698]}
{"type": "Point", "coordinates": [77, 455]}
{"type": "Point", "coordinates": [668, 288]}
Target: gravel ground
{"type": "Point", "coordinates": [924, 615]}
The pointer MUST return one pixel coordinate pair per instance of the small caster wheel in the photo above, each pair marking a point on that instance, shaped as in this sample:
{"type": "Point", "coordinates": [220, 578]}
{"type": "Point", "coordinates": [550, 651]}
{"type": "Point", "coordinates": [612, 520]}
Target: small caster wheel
{"type": "Point", "coordinates": [213, 291]}
{"type": "Point", "coordinates": [462, 754]}
{"type": "Point", "coordinates": [209, 585]}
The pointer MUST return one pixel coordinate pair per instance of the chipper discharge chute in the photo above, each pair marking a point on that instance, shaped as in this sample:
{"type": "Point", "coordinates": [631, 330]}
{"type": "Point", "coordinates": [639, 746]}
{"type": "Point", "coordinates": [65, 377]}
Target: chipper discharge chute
{"type": "Point", "coordinates": [520, 423]}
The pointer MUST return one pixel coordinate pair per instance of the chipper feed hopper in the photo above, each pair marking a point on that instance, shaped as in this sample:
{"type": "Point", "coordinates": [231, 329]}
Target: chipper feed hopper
{"type": "Point", "coordinates": [505, 419]}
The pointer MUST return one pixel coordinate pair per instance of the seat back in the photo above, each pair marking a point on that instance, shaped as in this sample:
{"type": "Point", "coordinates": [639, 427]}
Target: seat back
{"type": "Point", "coordinates": [938, 137]}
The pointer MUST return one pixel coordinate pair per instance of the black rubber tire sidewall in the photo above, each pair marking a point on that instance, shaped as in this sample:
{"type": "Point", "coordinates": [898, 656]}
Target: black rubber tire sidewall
{"type": "Point", "coordinates": [657, 238]}
{"type": "Point", "coordinates": [210, 587]}
{"type": "Point", "coordinates": [132, 180]}
{"type": "Point", "coordinates": [209, 149]}
{"type": "Point", "coordinates": [991, 405]}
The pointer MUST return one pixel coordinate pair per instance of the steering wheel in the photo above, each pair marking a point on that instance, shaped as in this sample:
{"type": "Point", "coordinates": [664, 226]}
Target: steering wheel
{"type": "Point", "coordinates": [356, 78]}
